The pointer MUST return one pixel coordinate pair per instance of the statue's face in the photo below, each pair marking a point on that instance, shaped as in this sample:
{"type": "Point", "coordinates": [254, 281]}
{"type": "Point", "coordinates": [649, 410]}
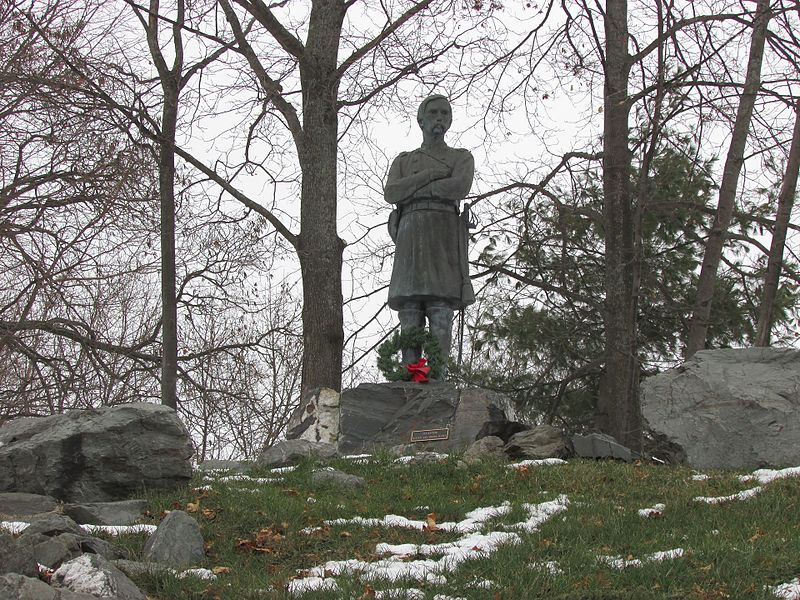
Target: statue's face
{"type": "Point", "coordinates": [437, 117]}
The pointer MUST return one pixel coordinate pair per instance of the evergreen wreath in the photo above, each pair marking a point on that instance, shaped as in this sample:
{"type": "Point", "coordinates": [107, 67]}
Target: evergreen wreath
{"type": "Point", "coordinates": [392, 367]}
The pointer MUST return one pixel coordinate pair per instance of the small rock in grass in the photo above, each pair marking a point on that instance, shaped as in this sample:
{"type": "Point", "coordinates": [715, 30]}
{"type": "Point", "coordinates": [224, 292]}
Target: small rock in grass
{"type": "Point", "coordinates": [338, 479]}
{"type": "Point", "coordinates": [177, 542]}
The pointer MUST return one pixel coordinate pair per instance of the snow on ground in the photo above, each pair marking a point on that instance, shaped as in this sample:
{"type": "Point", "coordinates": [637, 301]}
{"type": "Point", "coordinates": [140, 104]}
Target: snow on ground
{"type": "Point", "coordinates": [700, 477]}
{"type": "Point", "coordinates": [359, 459]}
{"type": "Point", "coordinates": [653, 512]}
{"type": "Point", "coordinates": [426, 456]}
{"type": "Point", "coordinates": [764, 476]}
{"type": "Point", "coordinates": [405, 594]}
{"type": "Point", "coordinates": [787, 591]}
{"type": "Point", "coordinates": [198, 573]}
{"type": "Point", "coordinates": [617, 562]}
{"type": "Point", "coordinates": [400, 564]}
{"type": "Point", "coordinates": [539, 462]}
{"type": "Point", "coordinates": [743, 495]}
{"type": "Point", "coordinates": [539, 513]}
{"type": "Point", "coordinates": [119, 529]}
{"type": "Point", "coordinates": [550, 566]}
{"type": "Point", "coordinates": [239, 477]}
{"type": "Point", "coordinates": [472, 521]}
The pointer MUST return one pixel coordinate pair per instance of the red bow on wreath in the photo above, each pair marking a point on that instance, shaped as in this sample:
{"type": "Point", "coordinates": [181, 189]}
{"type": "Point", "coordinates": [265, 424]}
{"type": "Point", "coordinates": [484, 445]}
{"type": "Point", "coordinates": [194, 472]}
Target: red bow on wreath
{"type": "Point", "coordinates": [419, 372]}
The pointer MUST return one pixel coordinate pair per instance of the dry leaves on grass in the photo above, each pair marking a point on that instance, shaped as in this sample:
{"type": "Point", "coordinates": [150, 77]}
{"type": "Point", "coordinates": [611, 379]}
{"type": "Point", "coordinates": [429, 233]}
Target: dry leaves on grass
{"type": "Point", "coordinates": [430, 522]}
{"type": "Point", "coordinates": [264, 541]}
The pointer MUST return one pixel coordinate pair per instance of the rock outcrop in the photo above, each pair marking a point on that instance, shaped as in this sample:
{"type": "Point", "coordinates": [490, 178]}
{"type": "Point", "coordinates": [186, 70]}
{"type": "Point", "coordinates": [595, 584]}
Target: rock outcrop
{"type": "Point", "coordinates": [95, 455]}
{"type": "Point", "coordinates": [730, 408]}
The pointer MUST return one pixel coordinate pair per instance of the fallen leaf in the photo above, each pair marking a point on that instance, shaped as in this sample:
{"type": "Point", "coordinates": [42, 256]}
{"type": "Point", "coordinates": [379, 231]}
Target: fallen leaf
{"type": "Point", "coordinates": [209, 514]}
{"type": "Point", "coordinates": [430, 522]}
{"type": "Point", "coordinates": [369, 592]}
{"type": "Point", "coordinates": [757, 535]}
{"type": "Point", "coordinates": [192, 507]}
{"type": "Point", "coordinates": [221, 570]}
{"type": "Point", "coordinates": [345, 534]}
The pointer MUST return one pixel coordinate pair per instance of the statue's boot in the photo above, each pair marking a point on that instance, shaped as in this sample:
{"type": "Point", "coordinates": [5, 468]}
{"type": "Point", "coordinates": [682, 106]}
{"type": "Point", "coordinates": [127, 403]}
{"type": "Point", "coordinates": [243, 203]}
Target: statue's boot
{"type": "Point", "coordinates": [411, 318]}
{"type": "Point", "coordinates": [440, 319]}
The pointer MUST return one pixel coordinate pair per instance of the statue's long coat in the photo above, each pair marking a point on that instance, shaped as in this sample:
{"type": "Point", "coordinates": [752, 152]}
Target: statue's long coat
{"type": "Point", "coordinates": [430, 262]}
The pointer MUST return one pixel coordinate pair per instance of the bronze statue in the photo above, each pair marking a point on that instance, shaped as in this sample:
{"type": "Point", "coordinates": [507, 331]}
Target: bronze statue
{"type": "Point", "coordinates": [430, 277]}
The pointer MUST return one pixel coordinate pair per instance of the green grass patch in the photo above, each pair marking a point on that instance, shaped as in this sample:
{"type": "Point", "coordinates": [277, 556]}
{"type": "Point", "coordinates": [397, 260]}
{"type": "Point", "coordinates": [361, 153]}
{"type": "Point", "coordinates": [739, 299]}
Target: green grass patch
{"type": "Point", "coordinates": [257, 534]}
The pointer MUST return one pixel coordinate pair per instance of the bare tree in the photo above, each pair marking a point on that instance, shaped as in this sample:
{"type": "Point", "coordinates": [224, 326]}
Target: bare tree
{"type": "Point", "coordinates": [782, 217]}
{"type": "Point", "coordinates": [730, 178]}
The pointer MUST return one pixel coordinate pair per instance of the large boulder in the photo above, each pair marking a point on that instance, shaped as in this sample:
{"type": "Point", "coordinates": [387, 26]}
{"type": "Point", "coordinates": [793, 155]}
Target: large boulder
{"type": "Point", "coordinates": [95, 455]}
{"type": "Point", "coordinates": [730, 408]}
{"type": "Point", "coordinates": [385, 415]}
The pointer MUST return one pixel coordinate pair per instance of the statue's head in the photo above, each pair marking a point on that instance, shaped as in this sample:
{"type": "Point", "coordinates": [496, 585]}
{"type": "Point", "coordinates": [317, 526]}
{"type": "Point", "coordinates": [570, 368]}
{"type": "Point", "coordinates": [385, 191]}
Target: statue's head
{"type": "Point", "coordinates": [434, 114]}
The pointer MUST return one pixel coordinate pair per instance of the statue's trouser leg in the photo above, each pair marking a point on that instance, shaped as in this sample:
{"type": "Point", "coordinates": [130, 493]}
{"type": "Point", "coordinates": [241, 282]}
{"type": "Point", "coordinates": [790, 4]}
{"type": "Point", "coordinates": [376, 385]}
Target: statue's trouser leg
{"type": "Point", "coordinates": [411, 318]}
{"type": "Point", "coordinates": [440, 319]}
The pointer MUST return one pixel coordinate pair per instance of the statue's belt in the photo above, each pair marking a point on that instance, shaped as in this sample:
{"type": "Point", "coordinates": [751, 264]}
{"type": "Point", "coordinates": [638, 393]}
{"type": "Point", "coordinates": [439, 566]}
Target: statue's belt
{"type": "Point", "coordinates": [430, 204]}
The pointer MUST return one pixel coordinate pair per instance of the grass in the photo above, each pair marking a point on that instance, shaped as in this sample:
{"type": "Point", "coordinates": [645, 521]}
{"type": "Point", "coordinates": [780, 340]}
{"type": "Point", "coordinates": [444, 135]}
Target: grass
{"type": "Point", "coordinates": [254, 532]}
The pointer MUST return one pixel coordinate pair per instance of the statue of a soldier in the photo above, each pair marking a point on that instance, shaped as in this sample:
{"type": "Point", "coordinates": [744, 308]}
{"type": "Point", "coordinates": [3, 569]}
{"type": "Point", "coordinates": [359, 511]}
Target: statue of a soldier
{"type": "Point", "coordinates": [430, 277]}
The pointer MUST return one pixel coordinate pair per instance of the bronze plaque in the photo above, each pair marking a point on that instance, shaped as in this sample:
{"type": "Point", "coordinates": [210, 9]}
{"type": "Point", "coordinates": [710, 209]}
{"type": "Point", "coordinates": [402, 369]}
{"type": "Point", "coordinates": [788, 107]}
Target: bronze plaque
{"type": "Point", "coordinates": [430, 435]}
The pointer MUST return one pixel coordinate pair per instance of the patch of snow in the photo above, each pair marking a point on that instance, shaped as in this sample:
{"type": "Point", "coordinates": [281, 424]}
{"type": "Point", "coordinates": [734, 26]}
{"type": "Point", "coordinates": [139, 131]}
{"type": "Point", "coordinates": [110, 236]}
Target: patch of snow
{"type": "Point", "coordinates": [474, 545]}
{"type": "Point", "coordinates": [198, 573]}
{"type": "Point", "coordinates": [539, 513]}
{"type": "Point", "coordinates": [240, 477]}
{"type": "Point", "coordinates": [311, 584]}
{"type": "Point", "coordinates": [787, 591]}
{"type": "Point", "coordinates": [359, 459]}
{"type": "Point", "coordinates": [404, 460]}
{"type": "Point", "coordinates": [617, 562]}
{"type": "Point", "coordinates": [288, 469]}
{"type": "Point", "coordinates": [472, 521]}
{"type": "Point", "coordinates": [764, 476]}
{"type": "Point", "coordinates": [700, 477]}
{"type": "Point", "coordinates": [550, 566]}
{"type": "Point", "coordinates": [743, 495]}
{"type": "Point", "coordinates": [444, 597]}
{"type": "Point", "coordinates": [652, 512]}
{"type": "Point", "coordinates": [14, 527]}
{"type": "Point", "coordinates": [311, 500]}
{"type": "Point", "coordinates": [203, 488]}
{"type": "Point", "coordinates": [539, 462]}
{"type": "Point", "coordinates": [398, 566]}
{"type": "Point", "coordinates": [397, 593]}
{"type": "Point", "coordinates": [119, 529]}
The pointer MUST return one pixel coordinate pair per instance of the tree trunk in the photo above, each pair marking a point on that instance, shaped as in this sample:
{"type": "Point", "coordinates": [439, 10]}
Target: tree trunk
{"type": "Point", "coordinates": [774, 265]}
{"type": "Point", "coordinates": [319, 246]}
{"type": "Point", "coordinates": [618, 412]}
{"type": "Point", "coordinates": [166, 189]}
{"type": "Point", "coordinates": [698, 327]}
